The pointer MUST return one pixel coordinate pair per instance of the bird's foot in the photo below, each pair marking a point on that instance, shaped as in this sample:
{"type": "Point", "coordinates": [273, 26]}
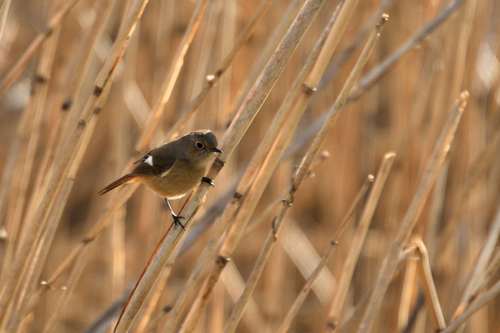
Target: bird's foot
{"type": "Point", "coordinates": [178, 221]}
{"type": "Point", "coordinates": [208, 180]}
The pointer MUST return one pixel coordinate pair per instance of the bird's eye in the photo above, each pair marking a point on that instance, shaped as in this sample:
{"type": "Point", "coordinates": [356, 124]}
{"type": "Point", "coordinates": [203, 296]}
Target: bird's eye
{"type": "Point", "coordinates": [199, 145]}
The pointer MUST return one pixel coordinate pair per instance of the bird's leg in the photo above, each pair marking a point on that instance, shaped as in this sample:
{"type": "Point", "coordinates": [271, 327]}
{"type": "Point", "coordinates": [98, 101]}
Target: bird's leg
{"type": "Point", "coordinates": [208, 180]}
{"type": "Point", "coordinates": [177, 218]}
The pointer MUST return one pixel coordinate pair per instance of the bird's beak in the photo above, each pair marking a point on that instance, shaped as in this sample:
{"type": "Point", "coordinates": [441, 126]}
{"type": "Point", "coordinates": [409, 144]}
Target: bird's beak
{"type": "Point", "coordinates": [215, 150]}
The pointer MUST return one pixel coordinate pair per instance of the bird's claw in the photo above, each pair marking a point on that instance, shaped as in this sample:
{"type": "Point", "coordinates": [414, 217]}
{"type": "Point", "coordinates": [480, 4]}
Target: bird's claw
{"type": "Point", "coordinates": [177, 221]}
{"type": "Point", "coordinates": [208, 180]}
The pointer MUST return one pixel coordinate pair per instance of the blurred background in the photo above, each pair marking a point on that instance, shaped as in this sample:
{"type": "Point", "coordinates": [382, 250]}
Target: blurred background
{"type": "Point", "coordinates": [402, 112]}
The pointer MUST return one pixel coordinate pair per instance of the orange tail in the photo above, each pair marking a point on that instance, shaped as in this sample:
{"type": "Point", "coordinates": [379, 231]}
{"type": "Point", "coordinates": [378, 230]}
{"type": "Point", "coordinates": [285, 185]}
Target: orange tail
{"type": "Point", "coordinates": [120, 181]}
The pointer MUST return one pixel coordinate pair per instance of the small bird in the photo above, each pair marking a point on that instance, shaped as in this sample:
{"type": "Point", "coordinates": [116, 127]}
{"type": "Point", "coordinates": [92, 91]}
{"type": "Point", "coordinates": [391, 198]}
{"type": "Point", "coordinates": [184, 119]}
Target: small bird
{"type": "Point", "coordinates": [173, 169]}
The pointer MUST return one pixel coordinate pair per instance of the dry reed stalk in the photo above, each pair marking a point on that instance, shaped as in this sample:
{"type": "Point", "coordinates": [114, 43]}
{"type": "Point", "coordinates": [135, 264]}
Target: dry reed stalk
{"type": "Point", "coordinates": [166, 15]}
{"type": "Point", "coordinates": [216, 209]}
{"type": "Point", "coordinates": [35, 111]}
{"type": "Point", "coordinates": [92, 234]}
{"type": "Point", "coordinates": [4, 11]}
{"type": "Point", "coordinates": [100, 226]}
{"type": "Point", "coordinates": [356, 245]}
{"type": "Point", "coordinates": [19, 194]}
{"type": "Point", "coordinates": [481, 300]}
{"type": "Point", "coordinates": [279, 31]}
{"type": "Point", "coordinates": [120, 141]}
{"type": "Point", "coordinates": [245, 115]}
{"type": "Point", "coordinates": [481, 166]}
{"type": "Point", "coordinates": [18, 68]}
{"type": "Point", "coordinates": [380, 70]}
{"type": "Point", "coordinates": [271, 238]}
{"type": "Point", "coordinates": [117, 199]}
{"type": "Point", "coordinates": [425, 275]}
{"type": "Point", "coordinates": [211, 79]}
{"type": "Point", "coordinates": [300, 93]}
{"type": "Point", "coordinates": [264, 254]}
{"type": "Point", "coordinates": [66, 163]}
{"type": "Point", "coordinates": [456, 85]}
{"type": "Point", "coordinates": [77, 74]}
{"type": "Point", "coordinates": [168, 84]}
{"type": "Point", "coordinates": [63, 300]}
{"type": "Point", "coordinates": [188, 292]}
{"type": "Point", "coordinates": [202, 50]}
{"type": "Point", "coordinates": [453, 247]}
{"type": "Point", "coordinates": [478, 274]}
{"type": "Point", "coordinates": [301, 297]}
{"type": "Point", "coordinates": [407, 294]}
{"type": "Point", "coordinates": [460, 55]}
{"type": "Point", "coordinates": [224, 94]}
{"type": "Point", "coordinates": [266, 158]}
{"type": "Point", "coordinates": [264, 216]}
{"type": "Point", "coordinates": [153, 299]}
{"type": "Point", "coordinates": [234, 284]}
{"type": "Point", "coordinates": [301, 250]}
{"type": "Point", "coordinates": [40, 109]}
{"type": "Point", "coordinates": [73, 254]}
{"type": "Point", "coordinates": [429, 175]}
{"type": "Point", "coordinates": [292, 312]}
{"type": "Point", "coordinates": [217, 310]}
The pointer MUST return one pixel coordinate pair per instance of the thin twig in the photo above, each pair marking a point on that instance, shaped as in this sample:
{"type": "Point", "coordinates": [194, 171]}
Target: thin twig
{"type": "Point", "coordinates": [429, 285]}
{"type": "Point", "coordinates": [156, 114]}
{"type": "Point", "coordinates": [357, 242]}
{"type": "Point", "coordinates": [430, 174]}
{"type": "Point", "coordinates": [18, 68]}
{"type": "Point", "coordinates": [301, 297]}
{"type": "Point", "coordinates": [245, 115]}
{"type": "Point", "coordinates": [478, 303]}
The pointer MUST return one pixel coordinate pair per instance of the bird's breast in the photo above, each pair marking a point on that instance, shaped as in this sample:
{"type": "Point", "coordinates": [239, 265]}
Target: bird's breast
{"type": "Point", "coordinates": [180, 179]}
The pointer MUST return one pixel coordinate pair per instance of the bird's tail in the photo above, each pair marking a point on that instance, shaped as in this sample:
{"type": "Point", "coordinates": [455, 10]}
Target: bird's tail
{"type": "Point", "coordinates": [120, 181]}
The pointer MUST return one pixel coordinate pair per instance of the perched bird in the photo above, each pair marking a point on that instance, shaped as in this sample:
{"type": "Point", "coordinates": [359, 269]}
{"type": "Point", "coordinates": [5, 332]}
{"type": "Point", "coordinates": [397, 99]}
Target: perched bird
{"type": "Point", "coordinates": [173, 169]}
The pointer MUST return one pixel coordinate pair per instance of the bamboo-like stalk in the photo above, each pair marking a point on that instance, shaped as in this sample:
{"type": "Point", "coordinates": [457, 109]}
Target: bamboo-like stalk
{"type": "Point", "coordinates": [266, 158]}
{"type": "Point", "coordinates": [301, 297]}
{"type": "Point", "coordinates": [344, 282]}
{"type": "Point", "coordinates": [70, 112]}
{"type": "Point", "coordinates": [430, 174]}
{"type": "Point", "coordinates": [407, 294]}
{"type": "Point", "coordinates": [292, 312]}
{"type": "Point", "coordinates": [68, 275]}
{"type": "Point", "coordinates": [187, 293]}
{"type": "Point", "coordinates": [477, 304]}
{"type": "Point", "coordinates": [153, 300]}
{"type": "Point", "coordinates": [117, 200]}
{"type": "Point", "coordinates": [481, 166]}
{"type": "Point", "coordinates": [480, 269]}
{"type": "Point", "coordinates": [300, 249]}
{"type": "Point", "coordinates": [270, 240]}
{"type": "Point", "coordinates": [211, 79]}
{"type": "Point", "coordinates": [4, 11]}
{"type": "Point", "coordinates": [74, 275]}
{"type": "Point", "coordinates": [379, 71]}
{"type": "Point", "coordinates": [18, 68]}
{"type": "Point", "coordinates": [234, 284]}
{"type": "Point", "coordinates": [425, 274]}
{"type": "Point", "coordinates": [156, 114]}
{"type": "Point", "coordinates": [38, 102]}
{"type": "Point", "coordinates": [245, 115]}
{"type": "Point", "coordinates": [66, 163]}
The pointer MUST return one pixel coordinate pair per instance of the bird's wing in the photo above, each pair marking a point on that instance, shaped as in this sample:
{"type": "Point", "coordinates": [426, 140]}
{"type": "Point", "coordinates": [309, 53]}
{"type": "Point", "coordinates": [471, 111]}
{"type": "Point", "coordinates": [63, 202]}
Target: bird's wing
{"type": "Point", "coordinates": [157, 162]}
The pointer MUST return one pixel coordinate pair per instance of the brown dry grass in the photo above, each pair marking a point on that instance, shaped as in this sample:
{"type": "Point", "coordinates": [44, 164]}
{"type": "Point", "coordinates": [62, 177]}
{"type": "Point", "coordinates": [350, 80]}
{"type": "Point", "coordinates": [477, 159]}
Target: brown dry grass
{"type": "Point", "coordinates": [309, 99]}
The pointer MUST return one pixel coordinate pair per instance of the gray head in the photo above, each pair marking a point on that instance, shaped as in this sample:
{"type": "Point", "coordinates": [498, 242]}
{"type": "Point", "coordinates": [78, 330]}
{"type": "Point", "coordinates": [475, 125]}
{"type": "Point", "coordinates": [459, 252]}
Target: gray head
{"type": "Point", "coordinates": [199, 145]}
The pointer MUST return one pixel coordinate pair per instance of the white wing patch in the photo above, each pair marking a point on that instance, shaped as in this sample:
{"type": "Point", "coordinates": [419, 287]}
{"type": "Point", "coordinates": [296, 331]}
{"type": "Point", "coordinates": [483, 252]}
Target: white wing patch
{"type": "Point", "coordinates": [149, 160]}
